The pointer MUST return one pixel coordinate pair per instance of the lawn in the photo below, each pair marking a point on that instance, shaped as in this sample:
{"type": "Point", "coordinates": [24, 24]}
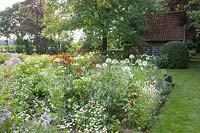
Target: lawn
{"type": "Point", "coordinates": [181, 112]}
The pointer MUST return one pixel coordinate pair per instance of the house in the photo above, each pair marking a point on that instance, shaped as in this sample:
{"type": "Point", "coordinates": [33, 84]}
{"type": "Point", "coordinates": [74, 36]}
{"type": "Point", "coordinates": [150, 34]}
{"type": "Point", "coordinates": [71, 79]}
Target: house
{"type": "Point", "coordinates": [163, 28]}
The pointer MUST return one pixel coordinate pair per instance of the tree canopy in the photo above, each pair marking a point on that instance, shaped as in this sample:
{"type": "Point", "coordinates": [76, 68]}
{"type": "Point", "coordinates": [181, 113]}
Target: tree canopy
{"type": "Point", "coordinates": [100, 19]}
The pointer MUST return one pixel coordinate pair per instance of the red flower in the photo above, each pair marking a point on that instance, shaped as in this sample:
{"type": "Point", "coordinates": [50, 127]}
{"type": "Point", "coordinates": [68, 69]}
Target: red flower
{"type": "Point", "coordinates": [129, 86]}
{"type": "Point", "coordinates": [31, 100]}
{"type": "Point", "coordinates": [132, 103]}
{"type": "Point", "coordinates": [135, 95]}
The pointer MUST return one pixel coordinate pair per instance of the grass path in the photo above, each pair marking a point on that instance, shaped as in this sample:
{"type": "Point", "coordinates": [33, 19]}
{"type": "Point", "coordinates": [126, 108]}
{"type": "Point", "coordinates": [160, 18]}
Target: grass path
{"type": "Point", "coordinates": [181, 112]}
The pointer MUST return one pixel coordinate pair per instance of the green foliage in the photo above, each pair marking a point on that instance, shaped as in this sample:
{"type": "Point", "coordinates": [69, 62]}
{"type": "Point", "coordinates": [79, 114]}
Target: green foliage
{"type": "Point", "coordinates": [8, 48]}
{"type": "Point", "coordinates": [162, 62]}
{"type": "Point", "coordinates": [23, 46]}
{"type": "Point", "coordinates": [9, 21]}
{"type": "Point", "coordinates": [4, 57]}
{"type": "Point", "coordinates": [198, 48]}
{"type": "Point", "coordinates": [177, 54]}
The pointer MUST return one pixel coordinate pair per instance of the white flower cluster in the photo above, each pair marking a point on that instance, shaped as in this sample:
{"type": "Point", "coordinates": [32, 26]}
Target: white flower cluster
{"type": "Point", "coordinates": [79, 57]}
{"type": "Point", "coordinates": [150, 89]}
{"type": "Point", "coordinates": [89, 118]}
{"type": "Point", "coordinates": [109, 61]}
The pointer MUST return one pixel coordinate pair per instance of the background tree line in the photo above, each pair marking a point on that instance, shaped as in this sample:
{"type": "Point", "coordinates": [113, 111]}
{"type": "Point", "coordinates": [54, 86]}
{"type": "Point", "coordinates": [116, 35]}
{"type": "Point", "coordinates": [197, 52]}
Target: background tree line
{"type": "Point", "coordinates": [48, 25]}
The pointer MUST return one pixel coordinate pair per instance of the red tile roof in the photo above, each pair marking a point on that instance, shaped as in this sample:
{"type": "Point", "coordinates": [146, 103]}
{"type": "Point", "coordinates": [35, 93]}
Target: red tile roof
{"type": "Point", "coordinates": [165, 27]}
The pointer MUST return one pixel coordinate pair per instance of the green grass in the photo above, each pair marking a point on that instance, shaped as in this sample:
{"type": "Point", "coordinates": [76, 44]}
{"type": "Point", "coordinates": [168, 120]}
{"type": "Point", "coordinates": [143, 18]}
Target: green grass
{"type": "Point", "coordinates": [181, 112]}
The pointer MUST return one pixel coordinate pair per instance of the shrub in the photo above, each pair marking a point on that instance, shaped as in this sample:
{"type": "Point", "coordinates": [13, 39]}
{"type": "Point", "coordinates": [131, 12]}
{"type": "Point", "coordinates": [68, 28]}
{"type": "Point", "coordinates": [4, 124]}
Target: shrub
{"type": "Point", "coordinates": [177, 53]}
{"type": "Point", "coordinates": [3, 58]}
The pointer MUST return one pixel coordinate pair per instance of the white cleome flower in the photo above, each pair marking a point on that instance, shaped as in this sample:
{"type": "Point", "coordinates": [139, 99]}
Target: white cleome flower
{"type": "Point", "coordinates": [139, 62]}
{"type": "Point", "coordinates": [148, 58]}
{"type": "Point", "coordinates": [108, 60]}
{"type": "Point", "coordinates": [104, 65]}
{"type": "Point", "coordinates": [144, 63]}
{"type": "Point", "coordinates": [131, 56]}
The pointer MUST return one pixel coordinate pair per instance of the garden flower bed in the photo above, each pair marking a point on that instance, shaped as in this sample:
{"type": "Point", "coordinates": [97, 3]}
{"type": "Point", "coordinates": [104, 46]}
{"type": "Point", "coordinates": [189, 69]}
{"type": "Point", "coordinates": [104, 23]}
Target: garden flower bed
{"type": "Point", "coordinates": [78, 93]}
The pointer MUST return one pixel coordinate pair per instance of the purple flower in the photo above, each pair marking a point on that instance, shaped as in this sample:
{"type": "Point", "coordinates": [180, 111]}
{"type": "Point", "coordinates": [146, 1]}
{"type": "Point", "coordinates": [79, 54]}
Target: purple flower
{"type": "Point", "coordinates": [9, 64]}
{"type": "Point", "coordinates": [15, 55]}
{"type": "Point", "coordinates": [15, 60]}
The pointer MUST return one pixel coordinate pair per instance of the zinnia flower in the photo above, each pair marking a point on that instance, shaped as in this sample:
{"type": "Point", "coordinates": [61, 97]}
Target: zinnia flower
{"type": "Point", "coordinates": [132, 103]}
{"type": "Point", "coordinates": [31, 100]}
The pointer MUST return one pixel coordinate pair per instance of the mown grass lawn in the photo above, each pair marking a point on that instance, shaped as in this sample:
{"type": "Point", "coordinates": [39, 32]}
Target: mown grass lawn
{"type": "Point", "coordinates": [181, 112]}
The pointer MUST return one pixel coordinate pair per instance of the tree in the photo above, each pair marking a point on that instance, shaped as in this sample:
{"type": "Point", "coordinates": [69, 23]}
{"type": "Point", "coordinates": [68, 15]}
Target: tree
{"type": "Point", "coordinates": [192, 7]}
{"type": "Point", "coordinates": [9, 21]}
{"type": "Point", "coordinates": [99, 19]}
{"type": "Point", "coordinates": [25, 18]}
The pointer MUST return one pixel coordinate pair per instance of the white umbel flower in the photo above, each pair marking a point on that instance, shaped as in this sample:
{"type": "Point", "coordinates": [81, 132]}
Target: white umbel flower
{"type": "Point", "coordinates": [108, 60]}
{"type": "Point", "coordinates": [98, 65]}
{"type": "Point", "coordinates": [104, 65]}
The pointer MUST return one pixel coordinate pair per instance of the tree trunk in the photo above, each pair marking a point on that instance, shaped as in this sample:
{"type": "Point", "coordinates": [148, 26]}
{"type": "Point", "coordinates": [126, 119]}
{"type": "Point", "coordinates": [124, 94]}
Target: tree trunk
{"type": "Point", "coordinates": [104, 43]}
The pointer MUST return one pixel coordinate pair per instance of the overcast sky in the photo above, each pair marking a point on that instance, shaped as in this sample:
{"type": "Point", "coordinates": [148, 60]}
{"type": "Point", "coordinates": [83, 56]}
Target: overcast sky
{"type": "Point", "coordinates": [7, 3]}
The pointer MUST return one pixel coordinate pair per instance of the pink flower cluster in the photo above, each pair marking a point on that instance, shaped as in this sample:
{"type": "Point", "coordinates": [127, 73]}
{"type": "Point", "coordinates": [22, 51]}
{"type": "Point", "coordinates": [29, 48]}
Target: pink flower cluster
{"type": "Point", "coordinates": [14, 60]}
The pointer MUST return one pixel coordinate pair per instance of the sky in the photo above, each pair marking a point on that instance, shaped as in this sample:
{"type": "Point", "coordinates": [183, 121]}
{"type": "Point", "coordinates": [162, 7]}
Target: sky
{"type": "Point", "coordinates": [7, 3]}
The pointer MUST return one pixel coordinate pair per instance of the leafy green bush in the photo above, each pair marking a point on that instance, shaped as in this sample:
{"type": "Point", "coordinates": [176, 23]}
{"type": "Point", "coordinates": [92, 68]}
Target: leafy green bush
{"type": "Point", "coordinates": [198, 49]}
{"type": "Point", "coordinates": [177, 54]}
{"type": "Point", "coordinates": [4, 57]}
